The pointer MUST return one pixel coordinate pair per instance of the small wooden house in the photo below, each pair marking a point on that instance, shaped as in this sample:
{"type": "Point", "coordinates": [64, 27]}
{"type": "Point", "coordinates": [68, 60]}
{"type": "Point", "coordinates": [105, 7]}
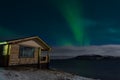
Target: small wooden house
{"type": "Point", "coordinates": [24, 52]}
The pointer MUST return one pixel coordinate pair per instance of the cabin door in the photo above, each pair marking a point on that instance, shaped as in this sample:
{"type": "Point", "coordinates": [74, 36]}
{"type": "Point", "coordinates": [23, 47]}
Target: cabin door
{"type": "Point", "coordinates": [3, 58]}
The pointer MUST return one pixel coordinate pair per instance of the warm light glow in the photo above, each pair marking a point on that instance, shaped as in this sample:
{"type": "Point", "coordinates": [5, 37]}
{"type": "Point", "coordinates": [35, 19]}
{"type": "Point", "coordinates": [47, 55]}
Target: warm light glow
{"type": "Point", "coordinates": [1, 43]}
{"type": "Point", "coordinates": [5, 50]}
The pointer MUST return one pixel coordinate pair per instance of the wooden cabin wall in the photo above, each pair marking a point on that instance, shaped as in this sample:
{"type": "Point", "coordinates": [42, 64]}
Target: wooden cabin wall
{"type": "Point", "coordinates": [15, 60]}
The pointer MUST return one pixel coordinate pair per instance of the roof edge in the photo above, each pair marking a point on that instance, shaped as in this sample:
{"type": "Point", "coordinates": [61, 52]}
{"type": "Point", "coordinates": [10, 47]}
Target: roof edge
{"type": "Point", "coordinates": [2, 43]}
{"type": "Point", "coordinates": [29, 38]}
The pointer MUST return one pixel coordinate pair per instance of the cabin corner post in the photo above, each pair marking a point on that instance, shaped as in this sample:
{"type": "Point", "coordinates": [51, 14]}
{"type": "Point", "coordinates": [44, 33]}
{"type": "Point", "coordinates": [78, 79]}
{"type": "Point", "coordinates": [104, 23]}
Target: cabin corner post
{"type": "Point", "coordinates": [39, 57]}
{"type": "Point", "coordinates": [48, 59]}
{"type": "Point", "coordinates": [8, 54]}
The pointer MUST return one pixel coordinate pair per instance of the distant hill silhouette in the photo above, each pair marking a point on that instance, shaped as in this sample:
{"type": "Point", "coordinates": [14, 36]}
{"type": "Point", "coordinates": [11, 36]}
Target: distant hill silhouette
{"type": "Point", "coordinates": [86, 52]}
{"type": "Point", "coordinates": [95, 57]}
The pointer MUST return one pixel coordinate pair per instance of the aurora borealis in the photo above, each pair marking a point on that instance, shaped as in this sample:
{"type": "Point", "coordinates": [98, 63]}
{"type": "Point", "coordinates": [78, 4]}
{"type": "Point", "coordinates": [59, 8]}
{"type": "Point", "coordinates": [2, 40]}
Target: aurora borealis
{"type": "Point", "coordinates": [62, 22]}
{"type": "Point", "coordinates": [73, 14]}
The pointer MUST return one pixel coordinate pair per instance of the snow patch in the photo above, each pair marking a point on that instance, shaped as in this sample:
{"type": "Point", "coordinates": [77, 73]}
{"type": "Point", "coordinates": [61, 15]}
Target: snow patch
{"type": "Point", "coordinates": [38, 75]}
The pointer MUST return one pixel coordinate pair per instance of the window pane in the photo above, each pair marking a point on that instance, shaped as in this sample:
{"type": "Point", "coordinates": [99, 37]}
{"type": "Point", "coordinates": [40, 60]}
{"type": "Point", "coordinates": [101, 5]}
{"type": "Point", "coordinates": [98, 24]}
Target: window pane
{"type": "Point", "coordinates": [26, 52]}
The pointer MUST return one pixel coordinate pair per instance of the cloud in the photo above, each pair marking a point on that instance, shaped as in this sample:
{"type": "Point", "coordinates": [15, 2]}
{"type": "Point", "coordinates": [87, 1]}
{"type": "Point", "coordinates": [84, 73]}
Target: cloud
{"type": "Point", "coordinates": [72, 51]}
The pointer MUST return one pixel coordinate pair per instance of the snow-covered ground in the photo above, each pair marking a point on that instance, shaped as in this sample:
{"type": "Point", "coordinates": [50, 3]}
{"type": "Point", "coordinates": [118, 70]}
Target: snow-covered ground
{"type": "Point", "coordinates": [38, 75]}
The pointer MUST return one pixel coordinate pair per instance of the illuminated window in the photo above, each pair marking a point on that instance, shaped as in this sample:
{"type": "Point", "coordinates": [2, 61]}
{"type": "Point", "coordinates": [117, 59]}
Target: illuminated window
{"type": "Point", "coordinates": [26, 52]}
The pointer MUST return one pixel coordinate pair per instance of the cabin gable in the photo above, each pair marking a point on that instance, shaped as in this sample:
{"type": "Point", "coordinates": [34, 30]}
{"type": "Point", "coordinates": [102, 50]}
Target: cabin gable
{"type": "Point", "coordinates": [31, 43]}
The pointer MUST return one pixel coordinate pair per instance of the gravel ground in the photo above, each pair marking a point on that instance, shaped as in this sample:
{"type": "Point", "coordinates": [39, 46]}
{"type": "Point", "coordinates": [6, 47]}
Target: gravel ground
{"type": "Point", "coordinates": [38, 75]}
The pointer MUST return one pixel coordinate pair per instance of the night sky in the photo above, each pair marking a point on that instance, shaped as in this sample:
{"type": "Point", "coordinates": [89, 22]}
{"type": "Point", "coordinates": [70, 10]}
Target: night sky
{"type": "Point", "coordinates": [62, 22]}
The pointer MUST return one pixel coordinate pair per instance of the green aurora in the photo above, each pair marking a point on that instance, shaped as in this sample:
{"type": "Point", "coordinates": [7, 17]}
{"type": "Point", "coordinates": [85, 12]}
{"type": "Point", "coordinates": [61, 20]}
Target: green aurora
{"type": "Point", "coordinates": [7, 33]}
{"type": "Point", "coordinates": [62, 22]}
{"type": "Point", "coordinates": [72, 13]}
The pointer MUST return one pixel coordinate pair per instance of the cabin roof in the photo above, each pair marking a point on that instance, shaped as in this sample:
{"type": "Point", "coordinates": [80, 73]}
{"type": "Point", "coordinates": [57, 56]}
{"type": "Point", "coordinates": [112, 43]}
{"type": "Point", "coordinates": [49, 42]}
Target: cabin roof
{"type": "Point", "coordinates": [35, 38]}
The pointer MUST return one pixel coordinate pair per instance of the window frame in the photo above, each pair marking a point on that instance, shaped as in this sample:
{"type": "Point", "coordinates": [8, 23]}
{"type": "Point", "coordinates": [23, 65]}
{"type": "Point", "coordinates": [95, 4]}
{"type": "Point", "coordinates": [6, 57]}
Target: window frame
{"type": "Point", "coordinates": [21, 51]}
